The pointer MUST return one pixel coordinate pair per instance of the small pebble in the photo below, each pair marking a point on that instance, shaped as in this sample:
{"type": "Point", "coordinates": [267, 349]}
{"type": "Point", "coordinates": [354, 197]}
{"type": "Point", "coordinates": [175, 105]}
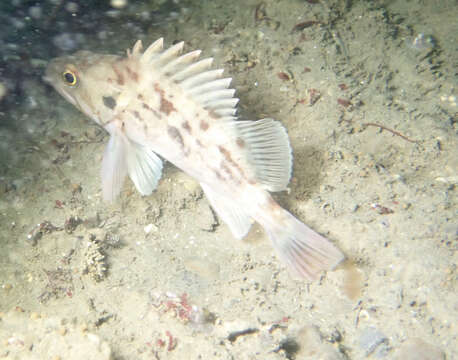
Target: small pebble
{"type": "Point", "coordinates": [72, 7]}
{"type": "Point", "coordinates": [118, 4]}
{"type": "Point", "coordinates": [150, 227]}
{"type": "Point", "coordinates": [7, 287]}
{"type": "Point", "coordinates": [370, 339]}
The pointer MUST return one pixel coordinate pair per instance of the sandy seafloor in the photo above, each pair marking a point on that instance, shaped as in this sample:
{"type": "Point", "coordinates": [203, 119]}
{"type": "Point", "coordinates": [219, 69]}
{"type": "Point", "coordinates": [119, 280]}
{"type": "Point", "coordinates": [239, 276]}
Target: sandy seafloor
{"type": "Point", "coordinates": [367, 92]}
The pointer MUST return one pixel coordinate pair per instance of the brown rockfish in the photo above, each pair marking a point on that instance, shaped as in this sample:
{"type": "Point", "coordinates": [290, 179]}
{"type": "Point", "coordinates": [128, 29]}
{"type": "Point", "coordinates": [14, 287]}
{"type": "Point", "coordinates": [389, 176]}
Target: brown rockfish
{"type": "Point", "coordinates": [160, 102]}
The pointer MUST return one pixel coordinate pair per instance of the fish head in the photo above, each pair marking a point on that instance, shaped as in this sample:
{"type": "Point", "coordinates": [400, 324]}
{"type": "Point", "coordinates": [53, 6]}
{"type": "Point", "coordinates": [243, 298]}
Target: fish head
{"type": "Point", "coordinates": [89, 81]}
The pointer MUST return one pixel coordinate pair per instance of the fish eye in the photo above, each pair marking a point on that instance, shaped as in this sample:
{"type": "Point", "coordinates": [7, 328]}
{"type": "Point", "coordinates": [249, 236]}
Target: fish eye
{"type": "Point", "coordinates": [69, 77]}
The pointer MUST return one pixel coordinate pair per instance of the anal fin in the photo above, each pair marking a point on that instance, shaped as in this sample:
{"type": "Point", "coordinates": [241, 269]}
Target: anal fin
{"type": "Point", "coordinates": [238, 221]}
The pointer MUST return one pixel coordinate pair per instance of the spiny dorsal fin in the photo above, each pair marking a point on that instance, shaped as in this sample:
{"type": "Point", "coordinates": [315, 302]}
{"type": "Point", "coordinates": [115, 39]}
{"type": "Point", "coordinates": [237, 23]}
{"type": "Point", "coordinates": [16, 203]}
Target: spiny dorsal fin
{"type": "Point", "coordinates": [205, 85]}
{"type": "Point", "coordinates": [154, 49]}
{"type": "Point", "coordinates": [136, 50]}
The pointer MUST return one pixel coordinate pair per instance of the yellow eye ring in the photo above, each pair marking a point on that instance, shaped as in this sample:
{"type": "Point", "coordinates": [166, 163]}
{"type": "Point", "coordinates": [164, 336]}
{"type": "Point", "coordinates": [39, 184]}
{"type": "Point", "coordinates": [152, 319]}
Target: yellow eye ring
{"type": "Point", "coordinates": [69, 77]}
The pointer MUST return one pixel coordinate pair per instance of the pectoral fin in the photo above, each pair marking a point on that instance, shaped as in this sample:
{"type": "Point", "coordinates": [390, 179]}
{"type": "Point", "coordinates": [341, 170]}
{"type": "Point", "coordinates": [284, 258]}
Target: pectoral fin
{"type": "Point", "coordinates": [144, 168]}
{"type": "Point", "coordinates": [123, 157]}
{"type": "Point", "coordinates": [114, 166]}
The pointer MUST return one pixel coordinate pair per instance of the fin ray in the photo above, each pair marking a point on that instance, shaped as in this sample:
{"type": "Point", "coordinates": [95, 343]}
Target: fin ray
{"type": "Point", "coordinates": [201, 78]}
{"type": "Point", "coordinates": [171, 53]}
{"type": "Point", "coordinates": [177, 64]}
{"type": "Point", "coordinates": [154, 49]}
{"type": "Point", "coordinates": [192, 69]}
{"type": "Point", "coordinates": [210, 86]}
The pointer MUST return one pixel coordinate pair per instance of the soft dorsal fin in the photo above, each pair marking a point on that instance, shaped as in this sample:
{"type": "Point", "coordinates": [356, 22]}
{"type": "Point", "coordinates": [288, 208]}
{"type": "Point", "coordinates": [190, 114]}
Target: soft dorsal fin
{"type": "Point", "coordinates": [268, 150]}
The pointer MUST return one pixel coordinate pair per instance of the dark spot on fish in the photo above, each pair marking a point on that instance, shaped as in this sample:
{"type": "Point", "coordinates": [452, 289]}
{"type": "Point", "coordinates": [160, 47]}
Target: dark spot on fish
{"type": "Point", "coordinates": [240, 142]}
{"type": "Point", "coordinates": [175, 134]}
{"type": "Point", "coordinates": [166, 106]}
{"type": "Point", "coordinates": [204, 125]}
{"type": "Point", "coordinates": [109, 102]}
{"type": "Point", "coordinates": [199, 143]}
{"type": "Point", "coordinates": [140, 97]}
{"type": "Point", "coordinates": [132, 74]}
{"type": "Point", "coordinates": [185, 125]}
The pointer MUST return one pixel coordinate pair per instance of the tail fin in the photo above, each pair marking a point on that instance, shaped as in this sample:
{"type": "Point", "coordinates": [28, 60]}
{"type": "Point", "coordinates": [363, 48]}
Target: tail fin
{"type": "Point", "coordinates": [305, 252]}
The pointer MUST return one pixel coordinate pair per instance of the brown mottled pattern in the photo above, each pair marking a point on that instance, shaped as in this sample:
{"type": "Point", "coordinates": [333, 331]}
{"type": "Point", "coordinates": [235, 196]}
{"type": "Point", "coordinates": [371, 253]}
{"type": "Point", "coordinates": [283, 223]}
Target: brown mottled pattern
{"type": "Point", "coordinates": [175, 134]}
{"type": "Point", "coordinates": [227, 155]}
{"type": "Point", "coordinates": [147, 107]}
{"type": "Point", "coordinates": [218, 175]}
{"type": "Point", "coordinates": [226, 169]}
{"type": "Point", "coordinates": [166, 106]}
{"type": "Point", "coordinates": [137, 115]}
{"type": "Point", "coordinates": [119, 75]}
{"type": "Point", "coordinates": [185, 125]}
{"type": "Point", "coordinates": [213, 115]}
{"type": "Point", "coordinates": [204, 125]}
{"type": "Point", "coordinates": [132, 74]}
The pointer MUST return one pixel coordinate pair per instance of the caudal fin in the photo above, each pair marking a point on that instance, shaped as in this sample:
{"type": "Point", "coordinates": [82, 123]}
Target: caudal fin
{"type": "Point", "coordinates": [305, 252]}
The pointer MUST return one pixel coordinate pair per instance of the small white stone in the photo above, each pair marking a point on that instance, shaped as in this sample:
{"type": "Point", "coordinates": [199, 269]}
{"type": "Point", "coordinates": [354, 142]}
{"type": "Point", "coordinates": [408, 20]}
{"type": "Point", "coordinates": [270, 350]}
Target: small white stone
{"type": "Point", "coordinates": [118, 4]}
{"type": "Point", "coordinates": [150, 227]}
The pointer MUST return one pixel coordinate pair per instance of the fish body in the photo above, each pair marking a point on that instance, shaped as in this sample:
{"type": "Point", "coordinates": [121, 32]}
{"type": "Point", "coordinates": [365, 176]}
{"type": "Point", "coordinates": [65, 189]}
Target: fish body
{"type": "Point", "coordinates": [160, 102]}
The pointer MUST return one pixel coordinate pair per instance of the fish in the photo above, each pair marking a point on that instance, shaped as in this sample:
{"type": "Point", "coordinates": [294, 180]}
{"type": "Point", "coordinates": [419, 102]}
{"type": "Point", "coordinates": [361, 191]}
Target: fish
{"type": "Point", "coordinates": [166, 104]}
